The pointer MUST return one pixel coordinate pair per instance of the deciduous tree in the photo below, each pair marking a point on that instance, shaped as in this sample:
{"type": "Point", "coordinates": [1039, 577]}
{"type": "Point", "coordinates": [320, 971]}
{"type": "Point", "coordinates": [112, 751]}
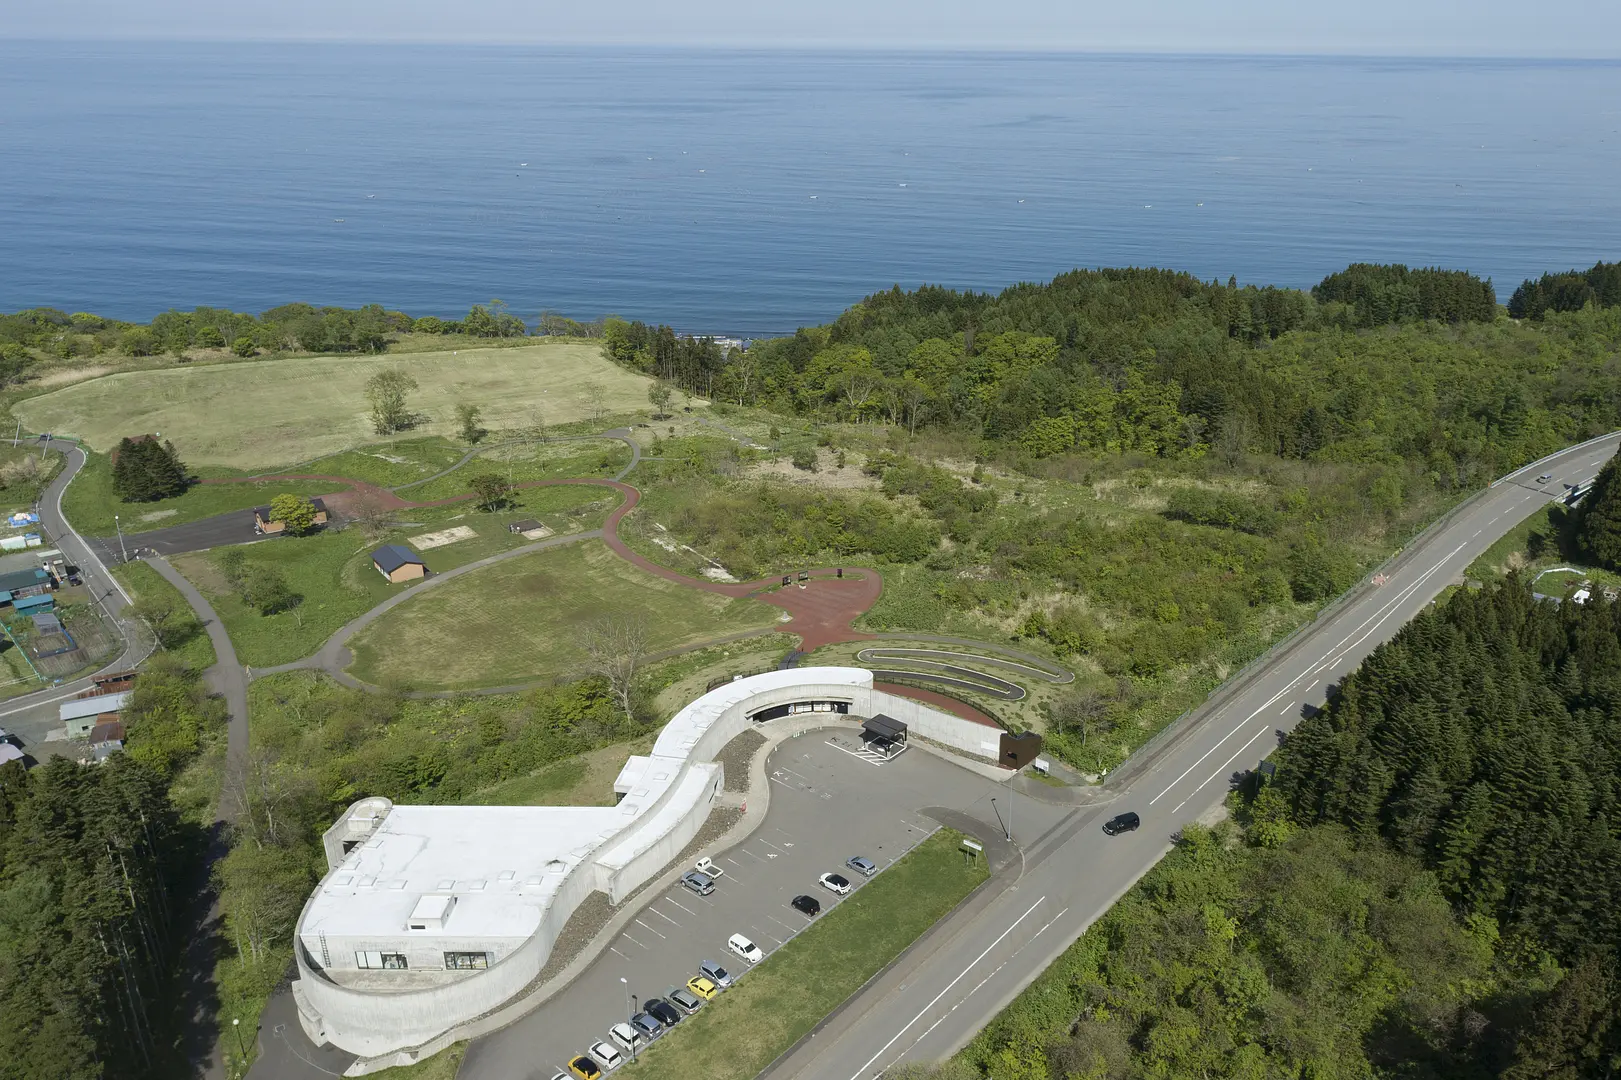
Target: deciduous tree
{"type": "Point", "coordinates": [386, 391]}
{"type": "Point", "coordinates": [615, 647]}
{"type": "Point", "coordinates": [295, 512]}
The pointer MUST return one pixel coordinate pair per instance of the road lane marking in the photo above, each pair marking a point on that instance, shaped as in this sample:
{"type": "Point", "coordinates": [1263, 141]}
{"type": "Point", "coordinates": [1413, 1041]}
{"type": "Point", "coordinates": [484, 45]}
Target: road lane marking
{"type": "Point", "coordinates": [1380, 614]}
{"type": "Point", "coordinates": [894, 1038]}
{"type": "Point", "coordinates": [1223, 769]}
{"type": "Point", "coordinates": [649, 929]}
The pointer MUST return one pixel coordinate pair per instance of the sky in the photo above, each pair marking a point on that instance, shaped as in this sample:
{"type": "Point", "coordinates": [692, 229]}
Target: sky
{"type": "Point", "coordinates": [1558, 28]}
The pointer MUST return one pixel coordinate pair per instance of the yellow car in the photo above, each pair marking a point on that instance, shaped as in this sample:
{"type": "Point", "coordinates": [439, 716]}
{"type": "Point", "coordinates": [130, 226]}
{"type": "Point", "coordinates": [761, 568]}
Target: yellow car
{"type": "Point", "coordinates": [703, 987]}
{"type": "Point", "coordinates": [584, 1068]}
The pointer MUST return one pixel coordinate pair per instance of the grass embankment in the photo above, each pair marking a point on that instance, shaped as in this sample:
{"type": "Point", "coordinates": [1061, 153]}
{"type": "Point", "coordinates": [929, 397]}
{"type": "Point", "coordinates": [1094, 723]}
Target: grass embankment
{"type": "Point", "coordinates": [332, 571]}
{"type": "Point", "coordinates": [520, 620]}
{"type": "Point", "coordinates": [256, 415]}
{"type": "Point", "coordinates": [146, 585]}
{"type": "Point", "coordinates": [90, 502]}
{"type": "Point", "coordinates": [749, 1026]}
{"type": "Point", "coordinates": [442, 1066]}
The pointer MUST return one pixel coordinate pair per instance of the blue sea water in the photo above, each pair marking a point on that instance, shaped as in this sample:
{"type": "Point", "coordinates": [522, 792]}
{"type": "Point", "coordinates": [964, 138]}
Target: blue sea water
{"type": "Point", "coordinates": [752, 192]}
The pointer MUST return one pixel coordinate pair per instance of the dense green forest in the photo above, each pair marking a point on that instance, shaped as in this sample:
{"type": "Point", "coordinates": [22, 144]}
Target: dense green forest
{"type": "Point", "coordinates": [1570, 291]}
{"type": "Point", "coordinates": [96, 873]}
{"type": "Point", "coordinates": [1426, 889]}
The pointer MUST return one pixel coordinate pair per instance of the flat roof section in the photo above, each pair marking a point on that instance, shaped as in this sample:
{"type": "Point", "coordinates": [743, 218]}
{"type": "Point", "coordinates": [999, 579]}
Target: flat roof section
{"type": "Point", "coordinates": [885, 727]}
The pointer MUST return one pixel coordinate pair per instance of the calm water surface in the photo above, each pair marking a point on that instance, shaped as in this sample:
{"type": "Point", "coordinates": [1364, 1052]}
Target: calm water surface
{"type": "Point", "coordinates": [737, 192]}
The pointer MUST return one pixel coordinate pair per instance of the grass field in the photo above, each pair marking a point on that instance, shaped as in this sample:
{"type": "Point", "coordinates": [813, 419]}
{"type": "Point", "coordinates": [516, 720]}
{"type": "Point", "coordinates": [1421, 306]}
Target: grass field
{"type": "Point", "coordinates": [143, 582]}
{"type": "Point", "coordinates": [528, 461]}
{"type": "Point", "coordinates": [517, 621]}
{"type": "Point", "coordinates": [776, 1003]}
{"type": "Point", "coordinates": [583, 780]}
{"type": "Point", "coordinates": [332, 570]}
{"type": "Point", "coordinates": [90, 503]}
{"type": "Point", "coordinates": [277, 412]}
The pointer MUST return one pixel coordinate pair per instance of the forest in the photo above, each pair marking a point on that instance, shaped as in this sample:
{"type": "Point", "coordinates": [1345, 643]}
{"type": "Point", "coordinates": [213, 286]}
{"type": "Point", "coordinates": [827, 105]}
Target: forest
{"type": "Point", "coordinates": [1426, 889]}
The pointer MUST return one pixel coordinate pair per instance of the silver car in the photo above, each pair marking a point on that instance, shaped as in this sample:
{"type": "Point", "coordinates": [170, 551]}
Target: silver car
{"type": "Point", "coordinates": [702, 884]}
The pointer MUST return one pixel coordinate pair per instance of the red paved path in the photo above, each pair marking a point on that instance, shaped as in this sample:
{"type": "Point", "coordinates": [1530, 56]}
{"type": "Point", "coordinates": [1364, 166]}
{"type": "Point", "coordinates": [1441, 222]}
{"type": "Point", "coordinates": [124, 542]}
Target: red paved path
{"type": "Point", "coordinates": [822, 610]}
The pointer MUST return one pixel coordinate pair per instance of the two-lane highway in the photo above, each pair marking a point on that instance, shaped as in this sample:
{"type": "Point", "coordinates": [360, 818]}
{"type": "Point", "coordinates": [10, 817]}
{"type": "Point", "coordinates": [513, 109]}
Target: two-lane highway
{"type": "Point", "coordinates": [935, 1000]}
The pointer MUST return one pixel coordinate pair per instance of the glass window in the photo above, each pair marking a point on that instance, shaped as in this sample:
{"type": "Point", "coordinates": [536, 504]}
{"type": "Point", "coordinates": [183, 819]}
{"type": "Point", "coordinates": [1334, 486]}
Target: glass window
{"type": "Point", "coordinates": [389, 961]}
{"type": "Point", "coordinates": [466, 961]}
{"type": "Point", "coordinates": [394, 961]}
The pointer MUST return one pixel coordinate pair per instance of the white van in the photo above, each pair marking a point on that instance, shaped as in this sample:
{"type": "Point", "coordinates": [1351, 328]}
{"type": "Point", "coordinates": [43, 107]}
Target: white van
{"type": "Point", "coordinates": [745, 948]}
{"type": "Point", "coordinates": [625, 1035]}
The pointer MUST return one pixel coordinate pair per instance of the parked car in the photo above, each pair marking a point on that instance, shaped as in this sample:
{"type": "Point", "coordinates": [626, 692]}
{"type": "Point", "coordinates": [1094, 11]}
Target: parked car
{"type": "Point", "coordinates": [685, 998]}
{"type": "Point", "coordinates": [1121, 823]}
{"type": "Point", "coordinates": [628, 1038]}
{"type": "Point", "coordinates": [836, 883]}
{"type": "Point", "coordinates": [606, 1056]}
{"type": "Point", "coordinates": [707, 865]}
{"type": "Point", "coordinates": [703, 987]}
{"type": "Point", "coordinates": [647, 1026]}
{"type": "Point", "coordinates": [702, 884]}
{"type": "Point", "coordinates": [584, 1068]}
{"type": "Point", "coordinates": [745, 948]}
{"type": "Point", "coordinates": [667, 1014]}
{"type": "Point", "coordinates": [862, 865]}
{"type": "Point", "coordinates": [715, 974]}
{"type": "Point", "coordinates": [808, 905]}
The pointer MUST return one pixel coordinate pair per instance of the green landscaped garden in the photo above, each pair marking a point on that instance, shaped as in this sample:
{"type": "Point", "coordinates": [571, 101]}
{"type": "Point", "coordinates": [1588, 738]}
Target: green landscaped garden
{"type": "Point", "coordinates": [331, 571]}
{"type": "Point", "coordinates": [89, 502]}
{"type": "Point", "coordinates": [795, 988]}
{"type": "Point", "coordinates": [520, 620]}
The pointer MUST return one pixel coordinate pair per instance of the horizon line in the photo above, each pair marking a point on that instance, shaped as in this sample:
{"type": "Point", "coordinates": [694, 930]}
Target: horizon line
{"type": "Point", "coordinates": [725, 45]}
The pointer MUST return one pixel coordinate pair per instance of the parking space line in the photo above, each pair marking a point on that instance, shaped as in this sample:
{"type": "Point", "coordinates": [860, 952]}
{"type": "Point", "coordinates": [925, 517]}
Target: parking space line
{"type": "Point", "coordinates": [682, 906]}
{"type": "Point", "coordinates": [735, 879]}
{"type": "Point", "coordinates": [663, 916]}
{"type": "Point", "coordinates": [780, 923]}
{"type": "Point", "coordinates": [617, 953]}
{"type": "Point", "coordinates": [649, 929]}
{"type": "Point", "coordinates": [731, 860]}
{"type": "Point", "coordinates": [769, 844]}
{"type": "Point", "coordinates": [751, 854]}
{"type": "Point", "coordinates": [633, 941]}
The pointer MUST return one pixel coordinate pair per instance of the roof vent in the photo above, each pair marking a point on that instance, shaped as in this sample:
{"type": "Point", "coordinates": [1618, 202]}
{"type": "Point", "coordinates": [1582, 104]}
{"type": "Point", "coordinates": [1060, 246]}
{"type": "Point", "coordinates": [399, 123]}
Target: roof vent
{"type": "Point", "coordinates": [556, 866]}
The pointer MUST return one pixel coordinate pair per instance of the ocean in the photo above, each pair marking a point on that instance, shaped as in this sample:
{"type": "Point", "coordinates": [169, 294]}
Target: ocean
{"type": "Point", "coordinates": [748, 193]}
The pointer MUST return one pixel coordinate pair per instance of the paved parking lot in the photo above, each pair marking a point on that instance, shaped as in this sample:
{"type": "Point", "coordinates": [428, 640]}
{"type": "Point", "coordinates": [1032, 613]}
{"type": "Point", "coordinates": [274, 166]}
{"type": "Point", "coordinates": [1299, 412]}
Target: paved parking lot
{"type": "Point", "coordinates": [826, 805]}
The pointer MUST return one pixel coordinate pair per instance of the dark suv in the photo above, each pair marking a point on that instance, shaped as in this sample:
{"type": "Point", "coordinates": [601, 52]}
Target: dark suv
{"type": "Point", "coordinates": [663, 1011]}
{"type": "Point", "coordinates": [808, 905]}
{"type": "Point", "coordinates": [1121, 823]}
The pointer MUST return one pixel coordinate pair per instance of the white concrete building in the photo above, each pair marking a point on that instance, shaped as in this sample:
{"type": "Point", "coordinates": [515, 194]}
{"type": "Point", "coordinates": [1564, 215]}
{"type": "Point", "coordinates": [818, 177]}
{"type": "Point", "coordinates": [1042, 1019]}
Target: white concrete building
{"type": "Point", "coordinates": [433, 915]}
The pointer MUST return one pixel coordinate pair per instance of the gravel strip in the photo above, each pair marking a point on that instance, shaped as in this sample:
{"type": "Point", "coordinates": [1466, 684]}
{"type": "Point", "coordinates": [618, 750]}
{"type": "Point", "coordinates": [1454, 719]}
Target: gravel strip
{"type": "Point", "coordinates": [736, 757]}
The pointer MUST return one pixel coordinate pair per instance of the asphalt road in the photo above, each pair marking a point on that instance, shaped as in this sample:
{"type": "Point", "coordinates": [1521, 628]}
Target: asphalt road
{"type": "Point", "coordinates": [930, 1005]}
{"type": "Point", "coordinates": [826, 805]}
{"type": "Point", "coordinates": [30, 718]}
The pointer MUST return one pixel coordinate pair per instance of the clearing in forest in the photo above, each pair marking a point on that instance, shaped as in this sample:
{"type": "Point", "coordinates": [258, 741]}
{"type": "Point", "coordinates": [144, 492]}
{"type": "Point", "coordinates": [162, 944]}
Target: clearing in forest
{"type": "Point", "coordinates": [281, 412]}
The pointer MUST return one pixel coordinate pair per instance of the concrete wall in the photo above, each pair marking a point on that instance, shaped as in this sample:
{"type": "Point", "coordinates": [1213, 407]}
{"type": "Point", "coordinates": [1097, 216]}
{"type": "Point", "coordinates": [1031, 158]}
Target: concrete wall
{"type": "Point", "coordinates": [625, 866]}
{"type": "Point", "coordinates": [955, 732]}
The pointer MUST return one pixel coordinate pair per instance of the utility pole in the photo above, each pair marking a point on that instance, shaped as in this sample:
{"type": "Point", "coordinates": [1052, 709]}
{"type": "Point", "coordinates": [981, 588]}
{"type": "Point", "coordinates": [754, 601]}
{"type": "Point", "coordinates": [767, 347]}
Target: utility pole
{"type": "Point", "coordinates": [117, 528]}
{"type": "Point", "coordinates": [630, 1011]}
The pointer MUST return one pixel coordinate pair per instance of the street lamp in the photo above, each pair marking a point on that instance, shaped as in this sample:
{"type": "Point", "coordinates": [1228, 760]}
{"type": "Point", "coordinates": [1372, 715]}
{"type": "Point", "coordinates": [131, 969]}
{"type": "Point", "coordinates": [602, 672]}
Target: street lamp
{"type": "Point", "coordinates": [120, 532]}
{"type": "Point", "coordinates": [236, 1026]}
{"type": "Point", "coordinates": [630, 1011]}
{"type": "Point", "coordinates": [1007, 826]}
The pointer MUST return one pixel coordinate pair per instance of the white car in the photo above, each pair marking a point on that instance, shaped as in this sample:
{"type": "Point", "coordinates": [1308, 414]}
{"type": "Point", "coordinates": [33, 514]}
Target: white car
{"type": "Point", "coordinates": [606, 1056]}
{"type": "Point", "coordinates": [707, 866]}
{"type": "Point", "coordinates": [626, 1036]}
{"type": "Point", "coordinates": [835, 883]}
{"type": "Point", "coordinates": [745, 948]}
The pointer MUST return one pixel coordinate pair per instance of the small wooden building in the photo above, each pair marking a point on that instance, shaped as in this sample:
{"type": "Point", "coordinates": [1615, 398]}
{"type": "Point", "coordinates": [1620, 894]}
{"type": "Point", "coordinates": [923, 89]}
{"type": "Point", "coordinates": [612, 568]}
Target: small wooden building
{"type": "Point", "coordinates": [398, 563]}
{"type": "Point", "coordinates": [262, 522]}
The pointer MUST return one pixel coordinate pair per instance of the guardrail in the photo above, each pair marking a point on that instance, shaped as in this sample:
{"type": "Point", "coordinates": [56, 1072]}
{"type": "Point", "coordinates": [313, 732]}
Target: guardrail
{"type": "Point", "coordinates": [1145, 754]}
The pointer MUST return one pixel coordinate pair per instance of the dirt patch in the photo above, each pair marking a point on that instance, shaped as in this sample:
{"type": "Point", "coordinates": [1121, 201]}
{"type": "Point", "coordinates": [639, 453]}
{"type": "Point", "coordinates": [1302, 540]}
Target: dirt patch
{"type": "Point", "coordinates": [426, 541]}
{"type": "Point", "coordinates": [827, 474]}
{"type": "Point", "coordinates": [158, 515]}
{"type": "Point", "coordinates": [69, 376]}
{"type": "Point", "coordinates": [736, 756]}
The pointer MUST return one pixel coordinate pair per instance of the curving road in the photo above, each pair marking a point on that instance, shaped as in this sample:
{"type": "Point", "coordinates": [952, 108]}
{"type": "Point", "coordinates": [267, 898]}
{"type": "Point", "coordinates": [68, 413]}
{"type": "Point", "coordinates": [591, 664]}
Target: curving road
{"type": "Point", "coordinates": [939, 996]}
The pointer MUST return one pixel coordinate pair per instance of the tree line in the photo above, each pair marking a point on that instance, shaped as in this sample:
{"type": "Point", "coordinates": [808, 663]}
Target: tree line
{"type": "Point", "coordinates": [289, 327]}
{"type": "Point", "coordinates": [1569, 291]}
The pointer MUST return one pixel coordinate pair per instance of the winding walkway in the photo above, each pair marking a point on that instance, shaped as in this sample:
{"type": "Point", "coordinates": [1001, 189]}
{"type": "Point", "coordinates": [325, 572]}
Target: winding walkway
{"type": "Point", "coordinates": [821, 606]}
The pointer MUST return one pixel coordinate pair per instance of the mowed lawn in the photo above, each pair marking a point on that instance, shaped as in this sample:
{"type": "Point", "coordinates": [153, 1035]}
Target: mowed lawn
{"type": "Point", "coordinates": [520, 620]}
{"type": "Point", "coordinates": [792, 990]}
{"type": "Point", "coordinates": [279, 412]}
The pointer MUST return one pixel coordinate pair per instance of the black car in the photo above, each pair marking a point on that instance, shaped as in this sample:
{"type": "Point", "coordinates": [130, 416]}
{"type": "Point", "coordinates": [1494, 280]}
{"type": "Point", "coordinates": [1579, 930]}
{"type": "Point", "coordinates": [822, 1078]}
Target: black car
{"type": "Point", "coordinates": [807, 904]}
{"type": "Point", "coordinates": [662, 1011]}
{"type": "Point", "coordinates": [1121, 823]}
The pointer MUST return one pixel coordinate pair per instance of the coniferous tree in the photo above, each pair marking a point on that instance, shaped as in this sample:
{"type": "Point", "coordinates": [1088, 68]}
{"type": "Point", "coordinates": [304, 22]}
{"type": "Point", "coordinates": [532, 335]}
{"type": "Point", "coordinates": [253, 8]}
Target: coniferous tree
{"type": "Point", "coordinates": [146, 470]}
{"type": "Point", "coordinates": [1598, 518]}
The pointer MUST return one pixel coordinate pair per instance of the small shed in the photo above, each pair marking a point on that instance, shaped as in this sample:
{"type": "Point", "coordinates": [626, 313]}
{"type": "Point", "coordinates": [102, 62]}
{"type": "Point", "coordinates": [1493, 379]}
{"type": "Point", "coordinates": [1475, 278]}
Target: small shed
{"type": "Point", "coordinates": [25, 581]}
{"type": "Point", "coordinates": [398, 563]}
{"type": "Point", "coordinates": [107, 731]}
{"type": "Point", "coordinates": [82, 714]}
{"type": "Point", "coordinates": [262, 521]}
{"type": "Point", "coordinates": [530, 529]}
{"type": "Point", "coordinates": [33, 605]}
{"type": "Point", "coordinates": [884, 735]}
